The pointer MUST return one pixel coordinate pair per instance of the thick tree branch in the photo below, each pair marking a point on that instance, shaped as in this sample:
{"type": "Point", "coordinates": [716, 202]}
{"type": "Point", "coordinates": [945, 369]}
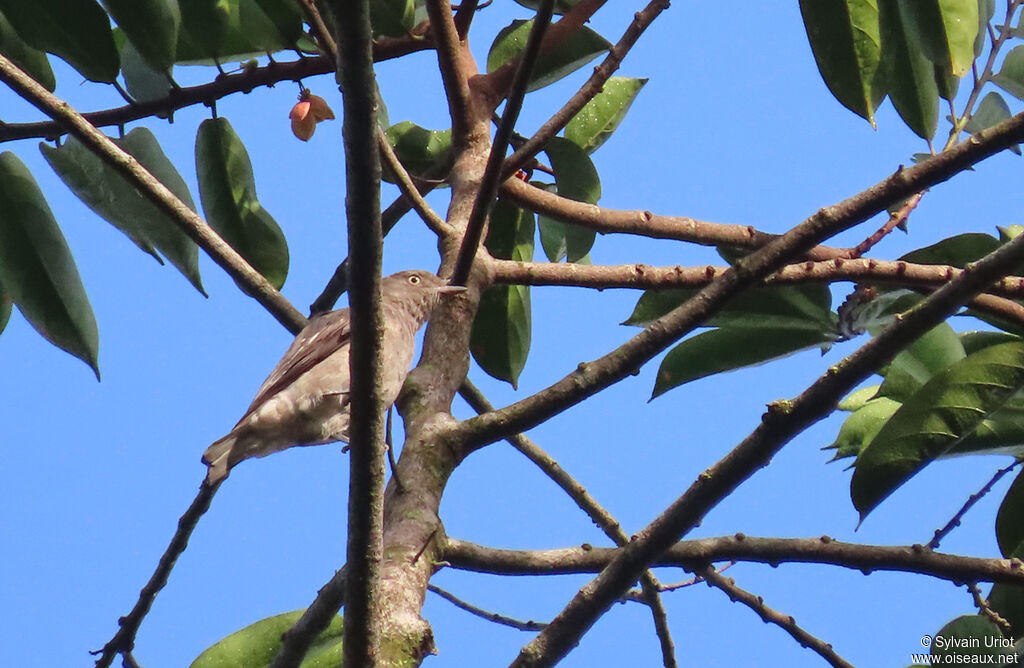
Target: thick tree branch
{"type": "Point", "coordinates": [647, 224]}
{"type": "Point", "coordinates": [156, 192]}
{"type": "Point", "coordinates": [691, 554]}
{"type": "Point", "coordinates": [770, 615]}
{"type": "Point", "coordinates": [488, 189]}
{"type": "Point", "coordinates": [784, 419]}
{"type": "Point", "coordinates": [124, 640]}
{"type": "Point", "coordinates": [590, 378]}
{"type": "Point", "coordinates": [592, 87]}
{"type": "Point", "coordinates": [363, 631]}
{"type": "Point", "coordinates": [597, 513]}
{"type": "Point", "coordinates": [224, 85]}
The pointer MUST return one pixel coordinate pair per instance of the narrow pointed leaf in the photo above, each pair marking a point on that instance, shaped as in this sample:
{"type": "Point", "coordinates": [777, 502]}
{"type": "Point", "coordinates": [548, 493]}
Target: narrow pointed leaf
{"type": "Point", "coordinates": [576, 178]}
{"type": "Point", "coordinates": [76, 30]}
{"type": "Point", "coordinates": [726, 349]}
{"type": "Point", "coordinates": [946, 30]}
{"type": "Point", "coordinates": [151, 26]}
{"type": "Point", "coordinates": [573, 53]}
{"type": "Point", "coordinates": [227, 189]}
{"type": "Point", "coordinates": [910, 76]}
{"type": "Point", "coordinates": [846, 41]}
{"type": "Point", "coordinates": [500, 338]}
{"type": "Point", "coordinates": [862, 426]}
{"type": "Point", "coordinates": [32, 61]}
{"type": "Point", "coordinates": [936, 419]}
{"type": "Point", "coordinates": [256, 645]}
{"type": "Point", "coordinates": [597, 120]}
{"type": "Point", "coordinates": [118, 202]}
{"type": "Point", "coordinates": [36, 267]}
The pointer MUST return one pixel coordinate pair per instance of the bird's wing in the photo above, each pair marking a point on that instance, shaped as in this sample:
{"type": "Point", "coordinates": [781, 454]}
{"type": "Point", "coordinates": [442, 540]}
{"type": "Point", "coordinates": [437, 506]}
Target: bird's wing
{"type": "Point", "coordinates": [321, 338]}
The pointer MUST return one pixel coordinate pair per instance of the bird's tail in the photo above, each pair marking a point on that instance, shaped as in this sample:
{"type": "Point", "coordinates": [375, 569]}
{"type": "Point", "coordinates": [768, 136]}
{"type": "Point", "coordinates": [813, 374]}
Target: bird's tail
{"type": "Point", "coordinates": [218, 458]}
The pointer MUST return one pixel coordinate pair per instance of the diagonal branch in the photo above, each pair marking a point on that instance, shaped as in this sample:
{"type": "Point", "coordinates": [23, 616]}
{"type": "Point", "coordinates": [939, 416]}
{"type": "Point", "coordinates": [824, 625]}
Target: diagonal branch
{"type": "Point", "coordinates": [296, 640]}
{"type": "Point", "coordinates": [592, 87]}
{"type": "Point", "coordinates": [590, 378]}
{"type": "Point", "coordinates": [784, 419]}
{"type": "Point", "coordinates": [484, 614]}
{"type": "Point", "coordinates": [452, 56]}
{"type": "Point", "coordinates": [597, 513]}
{"type": "Point", "coordinates": [647, 224]}
{"type": "Point", "coordinates": [488, 188]}
{"type": "Point", "coordinates": [767, 614]}
{"type": "Point", "coordinates": [224, 85]}
{"type": "Point", "coordinates": [690, 554]}
{"type": "Point", "coordinates": [156, 192]}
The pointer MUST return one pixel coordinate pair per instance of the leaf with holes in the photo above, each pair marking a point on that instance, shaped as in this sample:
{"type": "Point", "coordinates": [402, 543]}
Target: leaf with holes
{"type": "Point", "coordinates": [596, 121]}
{"type": "Point", "coordinates": [36, 267]}
{"type": "Point", "coordinates": [935, 419]}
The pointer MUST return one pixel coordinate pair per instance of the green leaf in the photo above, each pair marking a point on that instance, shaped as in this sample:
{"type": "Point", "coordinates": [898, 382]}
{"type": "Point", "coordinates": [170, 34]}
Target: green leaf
{"type": "Point", "coordinates": [803, 307]}
{"type": "Point", "coordinates": [726, 349]}
{"type": "Point", "coordinates": [32, 61]}
{"type": "Point", "coordinates": [1010, 518]}
{"type": "Point", "coordinates": [204, 25]}
{"type": "Point", "coordinates": [597, 120]}
{"type": "Point", "coordinates": [500, 338]}
{"type": "Point", "coordinates": [974, 341]}
{"type": "Point", "coordinates": [36, 267]}
{"type": "Point", "coordinates": [993, 109]}
{"type": "Point", "coordinates": [571, 54]}
{"type": "Point", "coordinates": [561, 6]}
{"type": "Point", "coordinates": [392, 18]}
{"type": "Point", "coordinates": [946, 30]}
{"type": "Point", "coordinates": [935, 419]}
{"type": "Point", "coordinates": [118, 202]}
{"type": "Point", "coordinates": [971, 636]}
{"type": "Point", "coordinates": [858, 398]}
{"type": "Point", "coordinates": [151, 26]}
{"type": "Point", "coordinates": [422, 152]}
{"type": "Point", "coordinates": [256, 644]}
{"type": "Point", "coordinates": [957, 251]}
{"type": "Point", "coordinates": [845, 39]}
{"type": "Point", "coordinates": [576, 178]}
{"type": "Point", "coordinates": [862, 426]}
{"type": "Point", "coordinates": [986, 10]}
{"type": "Point", "coordinates": [1011, 75]}
{"type": "Point", "coordinates": [5, 308]}
{"type": "Point", "coordinates": [910, 75]}
{"type": "Point", "coordinates": [76, 30]}
{"type": "Point", "coordinates": [286, 18]}
{"type": "Point", "coordinates": [247, 32]}
{"type": "Point", "coordinates": [929, 355]}
{"type": "Point", "coordinates": [227, 190]}
{"type": "Point", "coordinates": [142, 81]}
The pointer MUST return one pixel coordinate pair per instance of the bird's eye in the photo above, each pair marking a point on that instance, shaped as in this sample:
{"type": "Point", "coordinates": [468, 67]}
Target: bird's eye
{"type": "Point", "coordinates": [414, 279]}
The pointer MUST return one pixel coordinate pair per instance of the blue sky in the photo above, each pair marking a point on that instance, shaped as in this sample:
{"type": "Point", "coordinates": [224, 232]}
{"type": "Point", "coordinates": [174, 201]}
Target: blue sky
{"type": "Point", "coordinates": [734, 125]}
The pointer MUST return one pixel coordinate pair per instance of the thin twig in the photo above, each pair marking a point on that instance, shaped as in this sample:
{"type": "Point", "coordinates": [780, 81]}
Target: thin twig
{"type": "Point", "coordinates": [896, 219]}
{"type": "Point", "coordinates": [156, 192]}
{"type": "Point", "coordinates": [124, 640]}
{"type": "Point", "coordinates": [770, 615]}
{"type": "Point", "coordinates": [597, 513]}
{"type": "Point", "coordinates": [689, 554]}
{"type": "Point", "coordinates": [954, 522]}
{"type": "Point", "coordinates": [637, 595]}
{"type": "Point", "coordinates": [489, 616]}
{"type": "Point", "coordinates": [409, 189]}
{"type": "Point", "coordinates": [488, 188]}
{"type": "Point", "coordinates": [985, 609]}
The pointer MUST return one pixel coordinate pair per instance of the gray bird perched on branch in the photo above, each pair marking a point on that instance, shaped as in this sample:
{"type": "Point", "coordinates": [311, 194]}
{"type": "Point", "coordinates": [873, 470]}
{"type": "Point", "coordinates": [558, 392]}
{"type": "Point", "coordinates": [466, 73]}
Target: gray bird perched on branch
{"type": "Point", "coordinates": [305, 399]}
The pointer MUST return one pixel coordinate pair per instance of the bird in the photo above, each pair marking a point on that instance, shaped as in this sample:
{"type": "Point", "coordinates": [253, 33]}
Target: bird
{"type": "Point", "coordinates": [305, 399]}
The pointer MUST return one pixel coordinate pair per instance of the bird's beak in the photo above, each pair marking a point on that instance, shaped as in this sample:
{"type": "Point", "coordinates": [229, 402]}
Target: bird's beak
{"type": "Point", "coordinates": [451, 289]}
